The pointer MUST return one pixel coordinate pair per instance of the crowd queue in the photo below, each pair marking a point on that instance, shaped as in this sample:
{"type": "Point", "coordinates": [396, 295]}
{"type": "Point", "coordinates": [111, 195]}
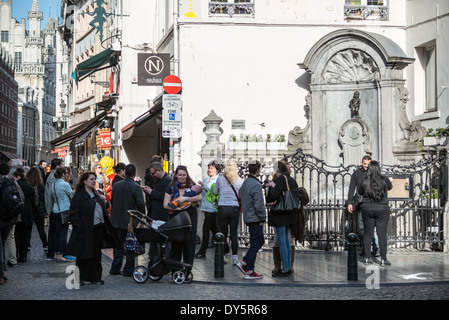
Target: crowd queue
{"type": "Point", "coordinates": [95, 209]}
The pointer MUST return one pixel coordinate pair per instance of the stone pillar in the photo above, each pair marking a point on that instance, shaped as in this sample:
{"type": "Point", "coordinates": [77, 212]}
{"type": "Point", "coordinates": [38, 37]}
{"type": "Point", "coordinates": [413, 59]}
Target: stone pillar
{"type": "Point", "coordinates": [213, 149]}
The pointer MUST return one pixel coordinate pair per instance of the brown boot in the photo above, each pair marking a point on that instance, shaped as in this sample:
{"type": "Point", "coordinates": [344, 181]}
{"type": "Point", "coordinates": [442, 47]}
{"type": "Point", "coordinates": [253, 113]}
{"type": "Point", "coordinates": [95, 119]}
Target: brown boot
{"type": "Point", "coordinates": [277, 259]}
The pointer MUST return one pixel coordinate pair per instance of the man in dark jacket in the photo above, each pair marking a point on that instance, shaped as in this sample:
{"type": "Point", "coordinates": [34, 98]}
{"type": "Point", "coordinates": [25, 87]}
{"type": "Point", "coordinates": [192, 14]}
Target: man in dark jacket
{"type": "Point", "coordinates": [156, 197]}
{"type": "Point", "coordinates": [354, 199]}
{"type": "Point", "coordinates": [126, 195]}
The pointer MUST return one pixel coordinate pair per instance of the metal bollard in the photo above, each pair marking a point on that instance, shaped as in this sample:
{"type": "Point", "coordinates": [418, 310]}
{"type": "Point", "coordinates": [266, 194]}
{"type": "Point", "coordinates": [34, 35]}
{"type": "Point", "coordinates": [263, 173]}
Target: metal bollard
{"type": "Point", "coordinates": [219, 255]}
{"type": "Point", "coordinates": [352, 257]}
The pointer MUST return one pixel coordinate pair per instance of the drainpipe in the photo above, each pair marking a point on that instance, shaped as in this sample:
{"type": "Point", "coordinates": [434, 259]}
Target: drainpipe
{"type": "Point", "coordinates": [379, 119]}
{"type": "Point", "coordinates": [172, 150]}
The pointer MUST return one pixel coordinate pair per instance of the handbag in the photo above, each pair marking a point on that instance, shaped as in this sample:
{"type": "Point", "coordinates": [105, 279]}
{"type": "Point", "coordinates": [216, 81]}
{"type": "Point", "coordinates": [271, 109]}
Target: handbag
{"type": "Point", "coordinates": [289, 200]}
{"type": "Point", "coordinates": [64, 214]}
{"type": "Point", "coordinates": [132, 245]}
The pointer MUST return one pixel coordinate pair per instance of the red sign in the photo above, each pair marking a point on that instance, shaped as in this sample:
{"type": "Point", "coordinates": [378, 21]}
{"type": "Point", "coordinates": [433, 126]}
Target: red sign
{"type": "Point", "coordinates": [172, 84]}
{"type": "Point", "coordinates": [105, 139]}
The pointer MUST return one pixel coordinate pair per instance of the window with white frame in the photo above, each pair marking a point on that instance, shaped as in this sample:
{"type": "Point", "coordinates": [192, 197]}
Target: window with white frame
{"type": "Point", "coordinates": [4, 36]}
{"type": "Point", "coordinates": [430, 70]}
{"type": "Point", "coordinates": [231, 7]}
{"type": "Point", "coordinates": [366, 9]}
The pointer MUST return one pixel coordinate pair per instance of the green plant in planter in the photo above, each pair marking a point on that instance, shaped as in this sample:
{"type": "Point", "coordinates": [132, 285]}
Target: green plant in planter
{"type": "Point", "coordinates": [438, 132]}
{"type": "Point", "coordinates": [232, 138]}
{"type": "Point", "coordinates": [268, 138]}
{"type": "Point", "coordinates": [430, 194]}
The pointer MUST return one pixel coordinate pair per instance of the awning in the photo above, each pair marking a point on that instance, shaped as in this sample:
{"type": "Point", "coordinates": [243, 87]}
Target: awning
{"type": "Point", "coordinates": [128, 130]}
{"type": "Point", "coordinates": [11, 155]}
{"type": "Point", "coordinates": [78, 130]}
{"type": "Point", "coordinates": [103, 60]}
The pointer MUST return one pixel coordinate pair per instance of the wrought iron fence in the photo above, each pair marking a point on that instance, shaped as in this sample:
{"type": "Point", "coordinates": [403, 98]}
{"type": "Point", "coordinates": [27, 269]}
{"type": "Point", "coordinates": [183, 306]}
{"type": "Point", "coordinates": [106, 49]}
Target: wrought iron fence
{"type": "Point", "coordinates": [417, 213]}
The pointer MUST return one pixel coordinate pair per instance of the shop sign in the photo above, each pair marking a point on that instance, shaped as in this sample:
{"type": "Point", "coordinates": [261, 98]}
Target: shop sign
{"type": "Point", "coordinates": [152, 68]}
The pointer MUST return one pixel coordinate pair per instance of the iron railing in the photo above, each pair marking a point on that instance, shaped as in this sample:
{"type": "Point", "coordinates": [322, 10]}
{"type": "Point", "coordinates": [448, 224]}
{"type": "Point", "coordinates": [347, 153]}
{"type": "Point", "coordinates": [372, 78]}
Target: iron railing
{"type": "Point", "coordinates": [416, 220]}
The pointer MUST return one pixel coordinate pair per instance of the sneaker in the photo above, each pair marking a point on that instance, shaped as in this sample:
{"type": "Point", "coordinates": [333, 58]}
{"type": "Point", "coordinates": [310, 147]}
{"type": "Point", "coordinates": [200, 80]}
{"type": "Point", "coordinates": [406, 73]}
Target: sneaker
{"type": "Point", "coordinates": [368, 261]}
{"type": "Point", "coordinates": [253, 275]}
{"type": "Point", "coordinates": [225, 260]}
{"type": "Point", "coordinates": [70, 258]}
{"type": "Point", "coordinates": [235, 261]}
{"type": "Point", "coordinates": [242, 266]}
{"type": "Point", "coordinates": [385, 263]}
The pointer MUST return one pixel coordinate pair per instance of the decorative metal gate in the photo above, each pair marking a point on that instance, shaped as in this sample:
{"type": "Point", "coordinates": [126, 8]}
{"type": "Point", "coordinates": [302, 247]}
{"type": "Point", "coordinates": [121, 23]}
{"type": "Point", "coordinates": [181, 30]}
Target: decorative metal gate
{"type": "Point", "coordinates": [417, 204]}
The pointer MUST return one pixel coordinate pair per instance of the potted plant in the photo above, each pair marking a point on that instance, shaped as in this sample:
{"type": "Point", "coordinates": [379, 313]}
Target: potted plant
{"type": "Point", "coordinates": [436, 136]}
{"type": "Point", "coordinates": [430, 197]}
{"type": "Point", "coordinates": [277, 142]}
{"type": "Point", "coordinates": [256, 142]}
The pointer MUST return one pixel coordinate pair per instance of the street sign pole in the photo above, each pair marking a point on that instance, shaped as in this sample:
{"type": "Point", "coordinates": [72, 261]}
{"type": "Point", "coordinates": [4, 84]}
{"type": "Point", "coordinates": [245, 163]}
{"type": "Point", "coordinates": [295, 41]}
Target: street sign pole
{"type": "Point", "coordinates": [171, 122]}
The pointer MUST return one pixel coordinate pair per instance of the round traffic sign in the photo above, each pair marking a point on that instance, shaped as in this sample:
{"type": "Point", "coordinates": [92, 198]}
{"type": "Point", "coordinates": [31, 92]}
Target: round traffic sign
{"type": "Point", "coordinates": [172, 84]}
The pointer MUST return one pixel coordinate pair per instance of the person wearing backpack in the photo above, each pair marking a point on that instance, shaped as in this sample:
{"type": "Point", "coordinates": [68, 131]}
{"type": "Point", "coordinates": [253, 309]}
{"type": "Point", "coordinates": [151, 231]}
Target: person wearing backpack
{"type": "Point", "coordinates": [8, 216]}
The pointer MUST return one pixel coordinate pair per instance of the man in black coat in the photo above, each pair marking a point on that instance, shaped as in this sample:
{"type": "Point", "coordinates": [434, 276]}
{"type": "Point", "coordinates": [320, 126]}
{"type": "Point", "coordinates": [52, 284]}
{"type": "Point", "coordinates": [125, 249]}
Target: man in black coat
{"type": "Point", "coordinates": [126, 195]}
{"type": "Point", "coordinates": [355, 199]}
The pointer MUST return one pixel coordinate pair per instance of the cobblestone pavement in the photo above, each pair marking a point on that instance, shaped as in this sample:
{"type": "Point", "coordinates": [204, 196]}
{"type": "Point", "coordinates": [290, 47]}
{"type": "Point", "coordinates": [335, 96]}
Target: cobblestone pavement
{"type": "Point", "coordinates": [39, 279]}
{"type": "Point", "coordinates": [42, 280]}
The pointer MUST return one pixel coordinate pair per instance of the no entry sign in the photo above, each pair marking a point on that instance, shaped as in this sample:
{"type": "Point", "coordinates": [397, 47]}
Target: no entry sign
{"type": "Point", "coordinates": [172, 84]}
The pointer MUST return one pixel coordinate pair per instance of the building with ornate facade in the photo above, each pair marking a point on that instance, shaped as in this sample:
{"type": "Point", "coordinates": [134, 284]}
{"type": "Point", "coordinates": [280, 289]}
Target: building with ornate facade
{"type": "Point", "coordinates": [33, 51]}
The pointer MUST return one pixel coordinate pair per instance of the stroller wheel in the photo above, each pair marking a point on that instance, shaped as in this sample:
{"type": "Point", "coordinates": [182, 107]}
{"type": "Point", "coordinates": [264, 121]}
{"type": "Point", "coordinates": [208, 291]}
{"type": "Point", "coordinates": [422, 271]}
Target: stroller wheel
{"type": "Point", "coordinates": [179, 277]}
{"type": "Point", "coordinates": [140, 274]}
{"type": "Point", "coordinates": [189, 278]}
{"type": "Point", "coordinates": [155, 278]}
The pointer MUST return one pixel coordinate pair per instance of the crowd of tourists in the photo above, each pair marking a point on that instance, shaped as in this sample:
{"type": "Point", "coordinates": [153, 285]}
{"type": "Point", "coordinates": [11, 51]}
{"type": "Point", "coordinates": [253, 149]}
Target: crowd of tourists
{"type": "Point", "coordinates": [87, 211]}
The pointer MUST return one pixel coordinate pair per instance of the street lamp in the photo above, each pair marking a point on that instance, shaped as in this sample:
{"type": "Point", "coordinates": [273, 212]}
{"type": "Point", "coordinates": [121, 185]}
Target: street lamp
{"type": "Point", "coordinates": [104, 84]}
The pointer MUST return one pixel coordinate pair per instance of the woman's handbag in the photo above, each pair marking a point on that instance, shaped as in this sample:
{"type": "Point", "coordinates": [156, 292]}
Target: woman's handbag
{"type": "Point", "coordinates": [289, 200]}
{"type": "Point", "coordinates": [132, 245]}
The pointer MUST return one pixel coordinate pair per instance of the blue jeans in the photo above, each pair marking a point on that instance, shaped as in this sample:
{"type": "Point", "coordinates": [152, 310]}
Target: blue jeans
{"type": "Point", "coordinates": [285, 249]}
{"type": "Point", "coordinates": [57, 235]}
{"type": "Point", "coordinates": [256, 241]}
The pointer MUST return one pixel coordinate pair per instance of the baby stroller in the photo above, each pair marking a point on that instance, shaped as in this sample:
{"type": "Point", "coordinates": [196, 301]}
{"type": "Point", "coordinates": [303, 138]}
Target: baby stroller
{"type": "Point", "coordinates": [176, 229]}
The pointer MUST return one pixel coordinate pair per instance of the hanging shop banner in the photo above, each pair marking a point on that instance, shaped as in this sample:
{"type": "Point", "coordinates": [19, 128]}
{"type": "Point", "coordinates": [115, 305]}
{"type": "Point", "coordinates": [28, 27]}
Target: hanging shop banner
{"type": "Point", "coordinates": [104, 139]}
{"type": "Point", "coordinates": [153, 68]}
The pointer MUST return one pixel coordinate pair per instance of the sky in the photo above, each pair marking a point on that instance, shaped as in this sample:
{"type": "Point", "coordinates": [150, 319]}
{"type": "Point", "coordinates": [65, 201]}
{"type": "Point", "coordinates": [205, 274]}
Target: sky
{"type": "Point", "coordinates": [20, 9]}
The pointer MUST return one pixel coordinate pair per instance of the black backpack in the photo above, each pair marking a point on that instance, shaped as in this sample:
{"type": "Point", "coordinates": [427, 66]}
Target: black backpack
{"type": "Point", "coordinates": [11, 204]}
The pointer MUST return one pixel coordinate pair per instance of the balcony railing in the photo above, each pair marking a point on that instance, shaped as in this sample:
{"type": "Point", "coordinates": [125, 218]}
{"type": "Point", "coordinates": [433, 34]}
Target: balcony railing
{"type": "Point", "coordinates": [353, 12]}
{"type": "Point", "coordinates": [223, 8]}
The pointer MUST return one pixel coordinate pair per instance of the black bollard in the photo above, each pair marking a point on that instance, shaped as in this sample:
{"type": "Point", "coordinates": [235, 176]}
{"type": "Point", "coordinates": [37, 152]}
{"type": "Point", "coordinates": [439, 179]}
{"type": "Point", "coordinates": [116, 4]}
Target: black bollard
{"type": "Point", "coordinates": [352, 257]}
{"type": "Point", "coordinates": [219, 255]}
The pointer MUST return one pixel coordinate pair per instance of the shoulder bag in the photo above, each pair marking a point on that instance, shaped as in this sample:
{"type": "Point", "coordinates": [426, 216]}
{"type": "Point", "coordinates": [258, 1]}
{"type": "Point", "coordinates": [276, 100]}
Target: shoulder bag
{"type": "Point", "coordinates": [289, 200]}
{"type": "Point", "coordinates": [239, 199]}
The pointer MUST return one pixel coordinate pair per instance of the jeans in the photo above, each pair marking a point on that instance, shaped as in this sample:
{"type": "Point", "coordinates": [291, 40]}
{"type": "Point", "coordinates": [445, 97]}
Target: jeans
{"type": "Point", "coordinates": [256, 241]}
{"type": "Point", "coordinates": [285, 249]}
{"type": "Point", "coordinates": [375, 240]}
{"type": "Point", "coordinates": [57, 235]}
{"type": "Point", "coordinates": [228, 217]}
{"type": "Point", "coordinates": [209, 225]}
{"type": "Point", "coordinates": [376, 217]}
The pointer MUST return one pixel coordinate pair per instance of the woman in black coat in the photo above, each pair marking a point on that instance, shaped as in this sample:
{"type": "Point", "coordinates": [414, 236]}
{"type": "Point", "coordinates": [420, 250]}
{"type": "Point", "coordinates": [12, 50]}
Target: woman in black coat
{"type": "Point", "coordinates": [282, 221]}
{"type": "Point", "coordinates": [375, 209]}
{"type": "Point", "coordinates": [92, 230]}
{"type": "Point", "coordinates": [23, 228]}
